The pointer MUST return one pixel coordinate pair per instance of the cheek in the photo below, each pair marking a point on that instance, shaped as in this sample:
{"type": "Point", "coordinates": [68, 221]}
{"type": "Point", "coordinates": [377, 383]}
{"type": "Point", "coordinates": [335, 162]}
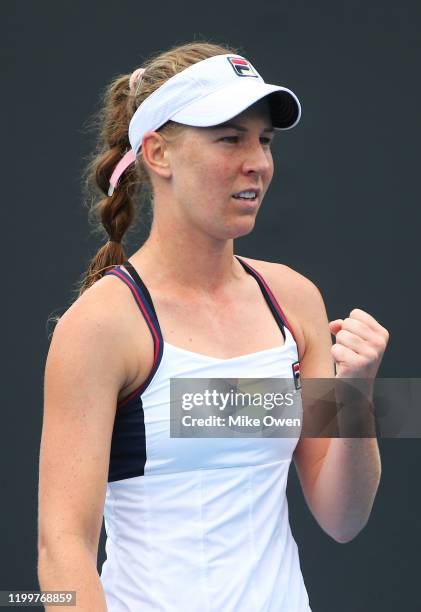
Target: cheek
{"type": "Point", "coordinates": [201, 170]}
{"type": "Point", "coordinates": [213, 175]}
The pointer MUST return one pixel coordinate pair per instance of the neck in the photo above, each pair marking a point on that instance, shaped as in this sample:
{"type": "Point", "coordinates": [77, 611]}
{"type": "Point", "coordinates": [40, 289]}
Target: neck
{"type": "Point", "coordinates": [188, 259]}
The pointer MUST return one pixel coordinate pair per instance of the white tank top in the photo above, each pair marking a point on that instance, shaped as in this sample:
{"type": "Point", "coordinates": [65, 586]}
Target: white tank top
{"type": "Point", "coordinates": [198, 525]}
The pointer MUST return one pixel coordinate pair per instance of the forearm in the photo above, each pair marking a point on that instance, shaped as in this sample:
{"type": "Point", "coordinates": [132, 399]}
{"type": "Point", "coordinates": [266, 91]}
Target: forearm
{"type": "Point", "coordinates": [70, 566]}
{"type": "Point", "coordinates": [344, 492]}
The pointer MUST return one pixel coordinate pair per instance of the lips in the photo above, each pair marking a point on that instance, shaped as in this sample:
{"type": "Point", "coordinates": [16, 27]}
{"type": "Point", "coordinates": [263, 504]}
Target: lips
{"type": "Point", "coordinates": [254, 190]}
{"type": "Point", "coordinates": [251, 188]}
{"type": "Point", "coordinates": [247, 202]}
{"type": "Point", "coordinates": [237, 197]}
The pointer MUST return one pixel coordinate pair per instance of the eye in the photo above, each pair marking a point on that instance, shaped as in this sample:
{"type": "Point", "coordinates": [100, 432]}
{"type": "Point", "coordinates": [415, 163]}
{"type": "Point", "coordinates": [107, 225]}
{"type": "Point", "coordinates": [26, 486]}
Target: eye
{"type": "Point", "coordinates": [265, 141]}
{"type": "Point", "coordinates": [230, 138]}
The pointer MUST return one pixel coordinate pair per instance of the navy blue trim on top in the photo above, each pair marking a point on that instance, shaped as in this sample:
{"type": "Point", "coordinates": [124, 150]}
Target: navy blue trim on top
{"type": "Point", "coordinates": [128, 441]}
{"type": "Point", "coordinates": [133, 273]}
{"type": "Point", "coordinates": [144, 302]}
{"type": "Point", "coordinates": [278, 318]}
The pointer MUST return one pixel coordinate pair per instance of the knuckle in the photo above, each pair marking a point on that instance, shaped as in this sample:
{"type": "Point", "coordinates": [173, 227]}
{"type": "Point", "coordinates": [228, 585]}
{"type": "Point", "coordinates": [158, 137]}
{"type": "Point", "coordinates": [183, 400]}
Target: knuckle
{"type": "Point", "coordinates": [372, 354]}
{"type": "Point", "coordinates": [378, 342]}
{"type": "Point", "coordinates": [364, 360]}
{"type": "Point", "coordinates": [381, 342]}
{"type": "Point", "coordinates": [341, 335]}
{"type": "Point", "coordinates": [336, 349]}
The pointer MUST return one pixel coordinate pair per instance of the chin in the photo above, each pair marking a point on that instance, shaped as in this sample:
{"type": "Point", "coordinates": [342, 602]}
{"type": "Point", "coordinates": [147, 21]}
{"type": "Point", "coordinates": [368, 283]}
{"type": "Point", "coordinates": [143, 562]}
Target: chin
{"type": "Point", "coordinates": [246, 229]}
{"type": "Point", "coordinates": [240, 228]}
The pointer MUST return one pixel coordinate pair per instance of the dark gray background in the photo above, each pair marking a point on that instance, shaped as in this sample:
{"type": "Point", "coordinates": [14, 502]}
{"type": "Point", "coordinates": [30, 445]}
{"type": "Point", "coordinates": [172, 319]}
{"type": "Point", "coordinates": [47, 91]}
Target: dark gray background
{"type": "Point", "coordinates": [342, 210]}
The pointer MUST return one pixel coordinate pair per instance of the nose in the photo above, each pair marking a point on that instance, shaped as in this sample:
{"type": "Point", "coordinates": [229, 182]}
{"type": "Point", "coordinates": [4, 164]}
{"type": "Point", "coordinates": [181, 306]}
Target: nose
{"type": "Point", "coordinates": [258, 159]}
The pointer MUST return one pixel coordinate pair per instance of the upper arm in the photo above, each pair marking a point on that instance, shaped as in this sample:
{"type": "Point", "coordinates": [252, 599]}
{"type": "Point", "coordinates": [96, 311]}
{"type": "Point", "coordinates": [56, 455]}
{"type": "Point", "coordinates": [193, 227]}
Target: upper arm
{"type": "Point", "coordinates": [316, 362]}
{"type": "Point", "coordinates": [84, 371]}
{"type": "Point", "coordinates": [305, 310]}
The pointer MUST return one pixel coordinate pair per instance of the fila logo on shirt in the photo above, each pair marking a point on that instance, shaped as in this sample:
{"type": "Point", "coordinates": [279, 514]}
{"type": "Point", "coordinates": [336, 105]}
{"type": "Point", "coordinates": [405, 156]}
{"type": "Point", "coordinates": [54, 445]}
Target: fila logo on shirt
{"type": "Point", "coordinates": [296, 374]}
{"type": "Point", "coordinates": [242, 67]}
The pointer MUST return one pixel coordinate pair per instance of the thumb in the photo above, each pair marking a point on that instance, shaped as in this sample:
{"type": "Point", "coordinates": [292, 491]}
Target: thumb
{"type": "Point", "coordinates": [335, 326]}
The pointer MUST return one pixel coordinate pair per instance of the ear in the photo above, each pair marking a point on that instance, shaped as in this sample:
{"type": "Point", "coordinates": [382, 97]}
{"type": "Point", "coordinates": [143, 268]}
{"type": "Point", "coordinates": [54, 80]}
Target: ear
{"type": "Point", "coordinates": [155, 154]}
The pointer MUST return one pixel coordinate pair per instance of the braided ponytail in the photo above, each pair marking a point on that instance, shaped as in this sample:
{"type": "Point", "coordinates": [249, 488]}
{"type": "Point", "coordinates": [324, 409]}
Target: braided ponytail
{"type": "Point", "coordinates": [113, 216]}
{"type": "Point", "coordinates": [117, 213]}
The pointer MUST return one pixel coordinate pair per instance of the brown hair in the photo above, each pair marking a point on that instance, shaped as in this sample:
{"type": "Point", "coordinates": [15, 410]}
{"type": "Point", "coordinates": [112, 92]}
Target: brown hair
{"type": "Point", "coordinates": [117, 213]}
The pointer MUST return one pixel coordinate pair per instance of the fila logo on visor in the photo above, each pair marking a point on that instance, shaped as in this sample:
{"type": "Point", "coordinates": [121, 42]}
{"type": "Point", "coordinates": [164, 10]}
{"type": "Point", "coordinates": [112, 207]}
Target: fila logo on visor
{"type": "Point", "coordinates": [242, 67]}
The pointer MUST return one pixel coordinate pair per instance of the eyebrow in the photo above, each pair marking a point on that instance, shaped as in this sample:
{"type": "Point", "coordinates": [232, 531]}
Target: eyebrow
{"type": "Point", "coordinates": [238, 127]}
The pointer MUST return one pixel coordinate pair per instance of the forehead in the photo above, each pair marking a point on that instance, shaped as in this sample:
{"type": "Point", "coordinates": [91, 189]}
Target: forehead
{"type": "Point", "coordinates": [258, 114]}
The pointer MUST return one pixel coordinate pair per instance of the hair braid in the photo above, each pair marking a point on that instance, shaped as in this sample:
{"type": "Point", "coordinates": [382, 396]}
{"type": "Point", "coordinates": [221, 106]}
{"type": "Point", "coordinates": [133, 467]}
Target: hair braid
{"type": "Point", "coordinates": [114, 215]}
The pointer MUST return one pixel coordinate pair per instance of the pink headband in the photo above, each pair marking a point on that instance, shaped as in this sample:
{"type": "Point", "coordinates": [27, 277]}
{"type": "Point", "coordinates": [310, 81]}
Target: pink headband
{"type": "Point", "coordinates": [135, 78]}
{"type": "Point", "coordinates": [130, 157]}
{"type": "Point", "coordinates": [207, 93]}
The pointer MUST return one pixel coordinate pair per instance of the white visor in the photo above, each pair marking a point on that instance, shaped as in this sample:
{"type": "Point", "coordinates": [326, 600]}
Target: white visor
{"type": "Point", "coordinates": [205, 94]}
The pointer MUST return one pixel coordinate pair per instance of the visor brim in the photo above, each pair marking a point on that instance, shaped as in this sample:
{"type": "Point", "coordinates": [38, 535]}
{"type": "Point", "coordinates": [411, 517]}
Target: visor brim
{"type": "Point", "coordinates": [228, 102]}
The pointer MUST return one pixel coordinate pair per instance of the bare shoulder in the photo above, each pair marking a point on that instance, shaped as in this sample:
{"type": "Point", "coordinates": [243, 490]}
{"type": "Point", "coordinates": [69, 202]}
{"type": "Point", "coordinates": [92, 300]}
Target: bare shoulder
{"type": "Point", "coordinates": [101, 323]}
{"type": "Point", "coordinates": [97, 316]}
{"type": "Point", "coordinates": [284, 277]}
{"type": "Point", "coordinates": [85, 369]}
{"type": "Point", "coordinates": [105, 301]}
{"type": "Point", "coordinates": [298, 296]}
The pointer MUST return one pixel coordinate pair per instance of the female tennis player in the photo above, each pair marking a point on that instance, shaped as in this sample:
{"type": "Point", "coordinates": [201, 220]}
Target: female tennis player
{"type": "Point", "coordinates": [192, 524]}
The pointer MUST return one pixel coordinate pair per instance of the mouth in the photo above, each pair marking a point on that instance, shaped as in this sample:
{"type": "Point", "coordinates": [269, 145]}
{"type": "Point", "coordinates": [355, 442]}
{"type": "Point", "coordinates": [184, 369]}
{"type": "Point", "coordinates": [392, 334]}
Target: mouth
{"type": "Point", "coordinates": [246, 203]}
{"type": "Point", "coordinates": [248, 197]}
